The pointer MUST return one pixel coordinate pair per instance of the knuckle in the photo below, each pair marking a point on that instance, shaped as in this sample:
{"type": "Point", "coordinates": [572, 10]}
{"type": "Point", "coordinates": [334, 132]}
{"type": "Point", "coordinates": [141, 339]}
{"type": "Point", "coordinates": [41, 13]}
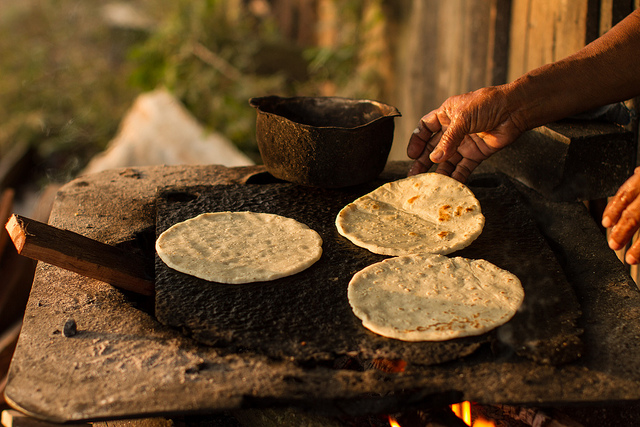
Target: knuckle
{"type": "Point", "coordinates": [464, 170]}
{"type": "Point", "coordinates": [630, 219]}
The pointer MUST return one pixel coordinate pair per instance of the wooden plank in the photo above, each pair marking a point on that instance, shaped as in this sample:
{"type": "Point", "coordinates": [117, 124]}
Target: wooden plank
{"type": "Point", "coordinates": [606, 15]}
{"type": "Point", "coordinates": [445, 49]}
{"type": "Point", "coordinates": [620, 9]}
{"type": "Point", "coordinates": [17, 275]}
{"type": "Point", "coordinates": [476, 44]}
{"type": "Point", "coordinates": [417, 70]}
{"type": "Point", "coordinates": [269, 417]}
{"type": "Point", "coordinates": [6, 206]}
{"type": "Point", "coordinates": [465, 33]}
{"type": "Point", "coordinates": [498, 48]}
{"type": "Point", "coordinates": [212, 421]}
{"type": "Point", "coordinates": [8, 341]}
{"type": "Point", "coordinates": [77, 253]}
{"type": "Point", "coordinates": [13, 418]}
{"type": "Point", "coordinates": [613, 11]}
{"type": "Point", "coordinates": [449, 42]}
{"type": "Point", "coordinates": [545, 31]}
{"type": "Point", "coordinates": [540, 37]}
{"type": "Point", "coordinates": [518, 38]}
{"type": "Point", "coordinates": [592, 26]}
{"type": "Point", "coordinates": [570, 27]}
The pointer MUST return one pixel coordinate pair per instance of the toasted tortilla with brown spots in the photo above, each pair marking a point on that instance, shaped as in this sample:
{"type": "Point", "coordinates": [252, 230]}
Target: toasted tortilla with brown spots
{"type": "Point", "coordinates": [426, 213]}
{"type": "Point", "coordinates": [428, 297]}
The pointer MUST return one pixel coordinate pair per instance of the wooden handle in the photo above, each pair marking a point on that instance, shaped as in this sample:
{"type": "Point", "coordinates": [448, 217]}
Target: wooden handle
{"type": "Point", "coordinates": [80, 254]}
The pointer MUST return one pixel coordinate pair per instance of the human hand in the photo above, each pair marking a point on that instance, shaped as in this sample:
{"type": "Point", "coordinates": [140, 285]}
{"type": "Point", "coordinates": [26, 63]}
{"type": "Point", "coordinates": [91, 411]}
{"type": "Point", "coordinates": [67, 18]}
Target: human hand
{"type": "Point", "coordinates": [622, 217]}
{"type": "Point", "coordinates": [463, 132]}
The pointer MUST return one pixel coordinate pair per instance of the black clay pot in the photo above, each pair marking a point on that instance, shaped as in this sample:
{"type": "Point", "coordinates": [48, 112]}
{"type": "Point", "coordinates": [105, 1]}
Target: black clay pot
{"type": "Point", "coordinates": [326, 142]}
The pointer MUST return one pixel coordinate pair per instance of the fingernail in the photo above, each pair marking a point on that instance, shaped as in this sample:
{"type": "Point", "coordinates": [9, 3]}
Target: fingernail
{"type": "Point", "coordinates": [436, 156]}
{"type": "Point", "coordinates": [631, 260]}
{"type": "Point", "coordinates": [606, 222]}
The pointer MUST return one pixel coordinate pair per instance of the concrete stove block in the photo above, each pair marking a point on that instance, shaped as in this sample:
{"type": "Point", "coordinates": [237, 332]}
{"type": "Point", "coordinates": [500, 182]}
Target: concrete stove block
{"type": "Point", "coordinates": [569, 160]}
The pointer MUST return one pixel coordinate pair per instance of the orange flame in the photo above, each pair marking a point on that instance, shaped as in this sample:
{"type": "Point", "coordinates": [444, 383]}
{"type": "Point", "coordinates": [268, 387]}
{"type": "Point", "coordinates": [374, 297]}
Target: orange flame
{"type": "Point", "coordinates": [463, 411]}
{"type": "Point", "coordinates": [393, 422]}
{"type": "Point", "coordinates": [481, 422]}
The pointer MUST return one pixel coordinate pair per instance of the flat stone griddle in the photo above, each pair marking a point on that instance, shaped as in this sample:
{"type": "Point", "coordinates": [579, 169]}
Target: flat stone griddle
{"type": "Point", "coordinates": [306, 317]}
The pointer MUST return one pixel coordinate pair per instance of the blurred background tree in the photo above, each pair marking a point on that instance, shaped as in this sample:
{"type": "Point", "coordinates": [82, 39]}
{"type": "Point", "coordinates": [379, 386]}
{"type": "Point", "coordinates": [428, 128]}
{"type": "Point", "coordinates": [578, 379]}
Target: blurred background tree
{"type": "Point", "coordinates": [71, 69]}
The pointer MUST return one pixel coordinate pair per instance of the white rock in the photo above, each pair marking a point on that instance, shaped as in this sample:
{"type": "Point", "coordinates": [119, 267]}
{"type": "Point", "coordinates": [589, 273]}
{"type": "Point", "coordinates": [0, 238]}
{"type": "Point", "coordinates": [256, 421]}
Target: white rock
{"type": "Point", "coordinates": [158, 130]}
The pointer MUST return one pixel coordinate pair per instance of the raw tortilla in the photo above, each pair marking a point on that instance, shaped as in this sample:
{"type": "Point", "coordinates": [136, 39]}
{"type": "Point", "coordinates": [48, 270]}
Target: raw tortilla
{"type": "Point", "coordinates": [426, 213]}
{"type": "Point", "coordinates": [429, 297]}
{"type": "Point", "coordinates": [239, 247]}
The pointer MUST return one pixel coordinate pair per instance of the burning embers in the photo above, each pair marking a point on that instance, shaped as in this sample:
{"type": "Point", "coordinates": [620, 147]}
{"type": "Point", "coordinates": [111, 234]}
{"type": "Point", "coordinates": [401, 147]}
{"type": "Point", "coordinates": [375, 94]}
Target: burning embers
{"type": "Point", "coordinates": [456, 415]}
{"type": "Point", "coordinates": [444, 416]}
{"type": "Point", "coordinates": [492, 415]}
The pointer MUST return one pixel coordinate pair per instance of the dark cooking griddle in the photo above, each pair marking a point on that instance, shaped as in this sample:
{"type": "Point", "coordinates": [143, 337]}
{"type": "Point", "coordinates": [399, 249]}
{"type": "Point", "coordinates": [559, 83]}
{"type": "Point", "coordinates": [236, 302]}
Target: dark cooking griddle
{"type": "Point", "coordinates": [306, 317]}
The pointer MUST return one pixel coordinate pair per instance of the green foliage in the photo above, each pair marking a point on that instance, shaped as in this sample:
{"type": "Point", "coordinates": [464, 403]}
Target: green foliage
{"type": "Point", "coordinates": [205, 54]}
{"type": "Point", "coordinates": [60, 80]}
{"type": "Point", "coordinates": [215, 55]}
{"type": "Point", "coordinates": [68, 77]}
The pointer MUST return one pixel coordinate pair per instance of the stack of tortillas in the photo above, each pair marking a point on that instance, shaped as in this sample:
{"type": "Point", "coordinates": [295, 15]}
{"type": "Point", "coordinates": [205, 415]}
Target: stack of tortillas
{"type": "Point", "coordinates": [422, 295]}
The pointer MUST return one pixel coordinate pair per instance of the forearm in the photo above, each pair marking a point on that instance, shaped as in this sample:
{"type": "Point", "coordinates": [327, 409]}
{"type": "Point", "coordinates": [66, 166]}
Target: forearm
{"type": "Point", "coordinates": [605, 71]}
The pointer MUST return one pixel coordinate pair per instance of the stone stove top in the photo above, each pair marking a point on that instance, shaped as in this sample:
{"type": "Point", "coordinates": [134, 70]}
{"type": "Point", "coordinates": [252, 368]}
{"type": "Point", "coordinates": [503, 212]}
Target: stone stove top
{"type": "Point", "coordinates": [123, 363]}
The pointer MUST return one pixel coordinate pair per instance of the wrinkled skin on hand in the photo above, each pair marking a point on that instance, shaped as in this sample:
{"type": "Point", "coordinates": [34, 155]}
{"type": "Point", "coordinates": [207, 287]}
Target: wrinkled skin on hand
{"type": "Point", "coordinates": [469, 128]}
{"type": "Point", "coordinates": [463, 132]}
{"type": "Point", "coordinates": [622, 217]}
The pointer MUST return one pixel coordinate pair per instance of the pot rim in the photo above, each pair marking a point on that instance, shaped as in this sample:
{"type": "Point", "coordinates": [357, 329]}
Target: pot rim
{"type": "Point", "coordinates": [393, 111]}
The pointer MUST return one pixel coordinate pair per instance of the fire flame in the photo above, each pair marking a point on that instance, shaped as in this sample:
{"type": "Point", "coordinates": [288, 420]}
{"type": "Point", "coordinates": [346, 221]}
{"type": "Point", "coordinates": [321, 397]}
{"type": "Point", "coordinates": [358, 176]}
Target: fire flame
{"type": "Point", "coordinates": [463, 411]}
{"type": "Point", "coordinates": [481, 422]}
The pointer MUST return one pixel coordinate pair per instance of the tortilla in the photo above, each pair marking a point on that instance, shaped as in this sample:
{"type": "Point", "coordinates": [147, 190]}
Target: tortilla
{"type": "Point", "coordinates": [425, 213]}
{"type": "Point", "coordinates": [239, 247]}
{"type": "Point", "coordinates": [429, 297]}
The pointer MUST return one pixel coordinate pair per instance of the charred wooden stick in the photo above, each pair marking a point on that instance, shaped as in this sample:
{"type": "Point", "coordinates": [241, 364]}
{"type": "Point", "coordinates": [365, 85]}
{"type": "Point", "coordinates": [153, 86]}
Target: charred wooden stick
{"type": "Point", "coordinates": [80, 254]}
{"type": "Point", "coordinates": [532, 416]}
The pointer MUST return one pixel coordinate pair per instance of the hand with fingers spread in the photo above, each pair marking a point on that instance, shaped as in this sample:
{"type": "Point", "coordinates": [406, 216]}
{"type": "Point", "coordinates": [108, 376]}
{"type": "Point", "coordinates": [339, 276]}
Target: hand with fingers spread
{"type": "Point", "coordinates": [463, 132]}
{"type": "Point", "coordinates": [469, 128]}
{"type": "Point", "coordinates": [622, 216]}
